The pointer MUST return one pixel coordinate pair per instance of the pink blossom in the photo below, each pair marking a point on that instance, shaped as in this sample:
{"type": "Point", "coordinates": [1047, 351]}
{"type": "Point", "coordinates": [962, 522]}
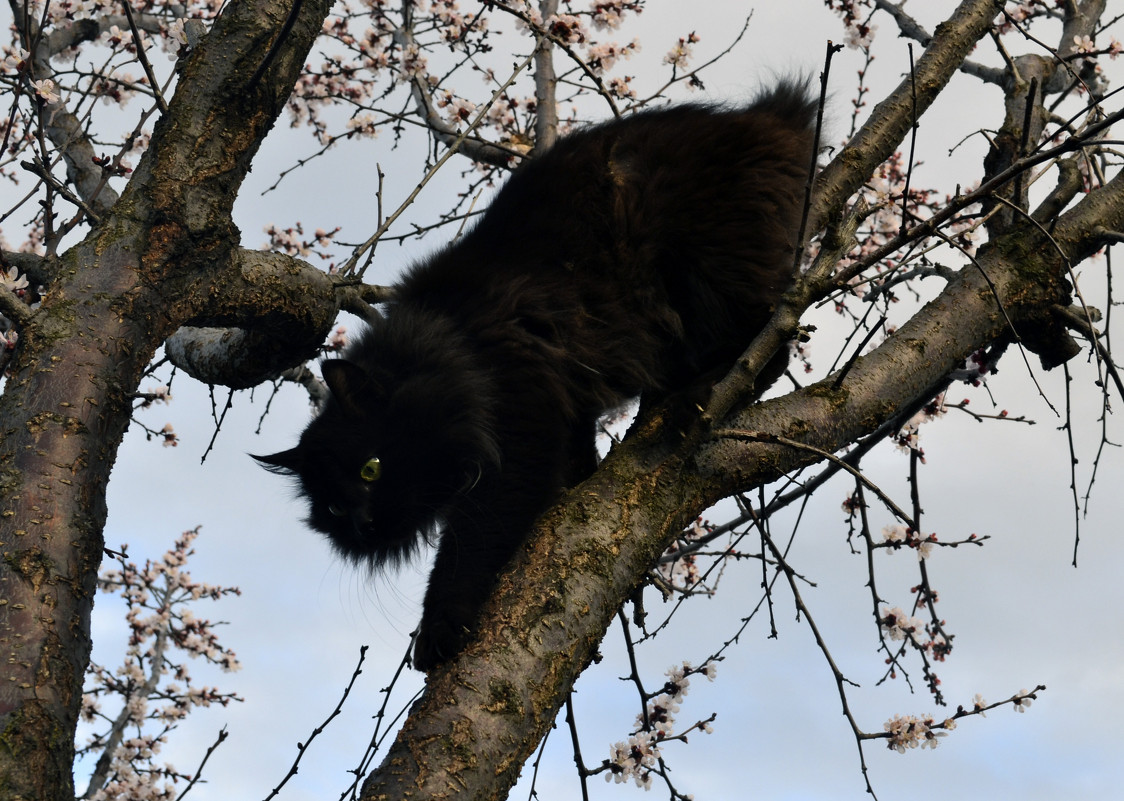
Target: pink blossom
{"type": "Point", "coordinates": [897, 625]}
{"type": "Point", "coordinates": [860, 36]}
{"type": "Point", "coordinates": [1022, 701]}
{"type": "Point", "coordinates": [567, 28]}
{"type": "Point", "coordinates": [1084, 44]}
{"type": "Point", "coordinates": [909, 731]}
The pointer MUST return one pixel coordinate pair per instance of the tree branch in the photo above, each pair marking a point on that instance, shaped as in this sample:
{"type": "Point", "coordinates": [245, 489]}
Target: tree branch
{"type": "Point", "coordinates": [912, 29]}
{"type": "Point", "coordinates": [148, 268]}
{"type": "Point", "coordinates": [546, 104]}
{"type": "Point", "coordinates": [890, 120]}
{"type": "Point", "coordinates": [272, 315]}
{"type": "Point", "coordinates": [476, 149]}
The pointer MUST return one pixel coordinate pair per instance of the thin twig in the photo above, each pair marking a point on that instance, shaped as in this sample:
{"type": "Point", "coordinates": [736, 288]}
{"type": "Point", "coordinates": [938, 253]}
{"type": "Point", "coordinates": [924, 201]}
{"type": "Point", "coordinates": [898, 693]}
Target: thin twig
{"type": "Point", "coordinates": [763, 436]}
{"type": "Point", "coordinates": [349, 265]}
{"type": "Point", "coordinates": [143, 58]}
{"type": "Point", "coordinates": [276, 45]}
{"type": "Point", "coordinates": [199, 771]}
{"type": "Point", "coordinates": [302, 748]}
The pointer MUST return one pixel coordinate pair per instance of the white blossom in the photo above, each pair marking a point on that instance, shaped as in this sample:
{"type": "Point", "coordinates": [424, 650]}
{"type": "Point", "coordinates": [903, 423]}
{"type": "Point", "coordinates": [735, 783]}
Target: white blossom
{"type": "Point", "coordinates": [12, 280]}
{"type": "Point", "coordinates": [45, 89]}
{"type": "Point", "coordinates": [897, 625]}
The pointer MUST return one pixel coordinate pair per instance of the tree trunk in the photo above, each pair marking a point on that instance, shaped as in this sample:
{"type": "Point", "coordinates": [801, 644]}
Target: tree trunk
{"type": "Point", "coordinates": [152, 264]}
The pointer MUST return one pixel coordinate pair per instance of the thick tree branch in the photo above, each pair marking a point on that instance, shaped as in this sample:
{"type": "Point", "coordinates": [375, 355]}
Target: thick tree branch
{"type": "Point", "coordinates": [65, 130]}
{"type": "Point", "coordinates": [891, 119]}
{"type": "Point", "coordinates": [911, 28]}
{"type": "Point", "coordinates": [87, 30]}
{"type": "Point", "coordinates": [546, 104]}
{"type": "Point", "coordinates": [274, 314]}
{"type": "Point", "coordinates": [150, 266]}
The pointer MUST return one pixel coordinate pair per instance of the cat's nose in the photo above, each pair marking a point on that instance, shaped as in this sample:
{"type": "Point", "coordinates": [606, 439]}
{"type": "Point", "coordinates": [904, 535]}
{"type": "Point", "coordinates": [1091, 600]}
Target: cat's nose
{"type": "Point", "coordinates": [361, 521]}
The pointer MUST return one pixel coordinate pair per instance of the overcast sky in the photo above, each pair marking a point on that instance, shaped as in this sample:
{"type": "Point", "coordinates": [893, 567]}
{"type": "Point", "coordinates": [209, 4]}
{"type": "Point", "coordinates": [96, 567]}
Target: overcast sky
{"type": "Point", "coordinates": [1022, 615]}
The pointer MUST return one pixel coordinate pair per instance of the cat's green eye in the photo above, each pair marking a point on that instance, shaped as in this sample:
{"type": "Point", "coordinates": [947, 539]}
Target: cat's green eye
{"type": "Point", "coordinates": [371, 470]}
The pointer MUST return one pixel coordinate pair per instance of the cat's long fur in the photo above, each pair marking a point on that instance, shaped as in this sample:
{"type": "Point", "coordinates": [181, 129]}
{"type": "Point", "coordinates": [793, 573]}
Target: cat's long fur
{"type": "Point", "coordinates": [633, 257]}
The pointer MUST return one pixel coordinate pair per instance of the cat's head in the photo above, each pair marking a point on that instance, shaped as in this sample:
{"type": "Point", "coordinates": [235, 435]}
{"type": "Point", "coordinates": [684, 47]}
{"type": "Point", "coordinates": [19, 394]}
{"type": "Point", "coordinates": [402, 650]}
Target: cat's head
{"type": "Point", "coordinates": [386, 459]}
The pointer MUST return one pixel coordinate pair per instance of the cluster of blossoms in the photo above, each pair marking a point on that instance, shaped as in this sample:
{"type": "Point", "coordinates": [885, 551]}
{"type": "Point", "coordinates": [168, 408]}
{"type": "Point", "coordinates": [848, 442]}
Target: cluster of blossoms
{"type": "Point", "coordinates": [858, 32]}
{"type": "Point", "coordinates": [363, 125]}
{"type": "Point", "coordinates": [977, 367]}
{"type": "Point", "coordinates": [45, 87]}
{"type": "Point", "coordinates": [898, 536]}
{"type": "Point", "coordinates": [452, 23]}
{"type": "Point", "coordinates": [1019, 12]}
{"type": "Point", "coordinates": [603, 57]}
{"type": "Point", "coordinates": [608, 14]}
{"type": "Point", "coordinates": [882, 194]}
{"type": "Point", "coordinates": [897, 625]}
{"type": "Point", "coordinates": [634, 759]}
{"type": "Point", "coordinates": [680, 570]}
{"type": "Point", "coordinates": [567, 28]}
{"type": "Point", "coordinates": [371, 49]}
{"type": "Point", "coordinates": [170, 438]}
{"type": "Point", "coordinates": [802, 352]}
{"type": "Point", "coordinates": [1018, 15]}
{"type": "Point", "coordinates": [153, 687]}
{"type": "Point", "coordinates": [338, 339]}
{"type": "Point", "coordinates": [160, 394]}
{"type": "Point", "coordinates": [638, 757]}
{"type": "Point", "coordinates": [860, 36]}
{"type": "Point", "coordinates": [620, 86]}
{"type": "Point", "coordinates": [908, 438]}
{"type": "Point", "coordinates": [16, 59]}
{"type": "Point", "coordinates": [909, 731]}
{"type": "Point", "coordinates": [292, 241]}
{"type": "Point", "coordinates": [680, 55]}
{"type": "Point", "coordinates": [457, 109]}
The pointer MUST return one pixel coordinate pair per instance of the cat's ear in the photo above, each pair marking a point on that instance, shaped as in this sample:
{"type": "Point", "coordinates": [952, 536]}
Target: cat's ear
{"type": "Point", "coordinates": [286, 462]}
{"type": "Point", "coordinates": [349, 384]}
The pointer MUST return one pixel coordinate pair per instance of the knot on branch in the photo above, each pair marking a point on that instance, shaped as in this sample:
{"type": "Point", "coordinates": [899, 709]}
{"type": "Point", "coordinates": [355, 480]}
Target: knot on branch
{"type": "Point", "coordinates": [274, 317]}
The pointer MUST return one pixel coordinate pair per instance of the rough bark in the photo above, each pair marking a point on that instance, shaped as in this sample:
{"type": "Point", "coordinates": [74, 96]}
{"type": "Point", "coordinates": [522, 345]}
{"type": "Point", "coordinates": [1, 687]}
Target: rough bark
{"type": "Point", "coordinates": [154, 262]}
{"type": "Point", "coordinates": [891, 119]}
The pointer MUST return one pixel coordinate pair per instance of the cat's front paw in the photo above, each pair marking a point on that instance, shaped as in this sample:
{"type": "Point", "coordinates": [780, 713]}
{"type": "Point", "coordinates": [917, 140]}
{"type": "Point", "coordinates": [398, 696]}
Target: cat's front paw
{"type": "Point", "coordinates": [438, 640]}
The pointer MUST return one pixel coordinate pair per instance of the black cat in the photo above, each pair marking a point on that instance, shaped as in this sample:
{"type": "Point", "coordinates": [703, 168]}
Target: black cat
{"type": "Point", "coordinates": [634, 256]}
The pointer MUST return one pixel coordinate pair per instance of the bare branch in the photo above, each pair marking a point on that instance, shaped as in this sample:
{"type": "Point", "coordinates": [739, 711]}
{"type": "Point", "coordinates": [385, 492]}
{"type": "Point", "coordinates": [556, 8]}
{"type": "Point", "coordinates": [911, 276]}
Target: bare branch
{"type": "Point", "coordinates": [445, 133]}
{"type": "Point", "coordinates": [890, 119]}
{"type": "Point", "coordinates": [912, 29]}
{"type": "Point", "coordinates": [546, 104]}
